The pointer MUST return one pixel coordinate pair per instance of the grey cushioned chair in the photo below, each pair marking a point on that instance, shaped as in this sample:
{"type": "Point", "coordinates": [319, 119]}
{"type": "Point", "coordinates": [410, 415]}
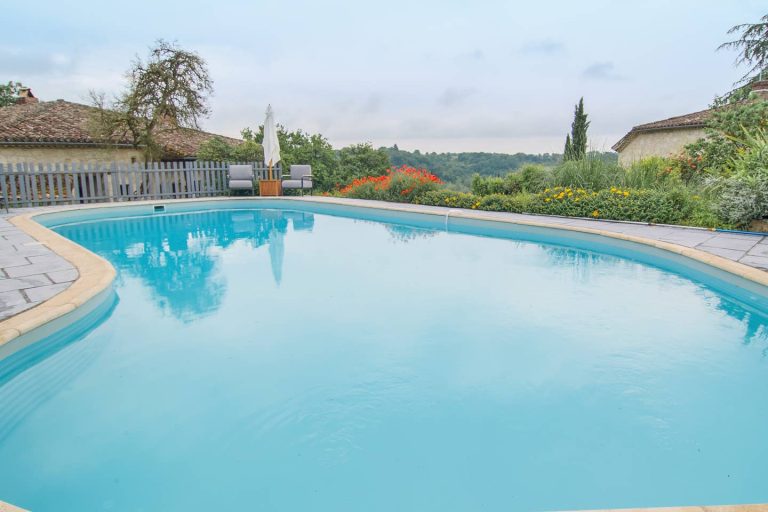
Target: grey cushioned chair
{"type": "Point", "coordinates": [300, 178]}
{"type": "Point", "coordinates": [240, 178]}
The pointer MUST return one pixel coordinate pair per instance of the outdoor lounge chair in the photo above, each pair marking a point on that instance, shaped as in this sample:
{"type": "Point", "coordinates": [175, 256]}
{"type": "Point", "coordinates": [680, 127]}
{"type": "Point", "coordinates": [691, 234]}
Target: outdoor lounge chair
{"type": "Point", "coordinates": [300, 178]}
{"type": "Point", "coordinates": [240, 178]}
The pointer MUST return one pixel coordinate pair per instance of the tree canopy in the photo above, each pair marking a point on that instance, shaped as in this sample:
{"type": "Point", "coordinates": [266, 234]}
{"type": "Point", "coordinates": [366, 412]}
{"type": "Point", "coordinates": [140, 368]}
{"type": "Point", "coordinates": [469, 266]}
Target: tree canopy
{"type": "Point", "coordinates": [219, 150]}
{"type": "Point", "coordinates": [8, 93]}
{"type": "Point", "coordinates": [752, 48]}
{"type": "Point", "coordinates": [167, 92]}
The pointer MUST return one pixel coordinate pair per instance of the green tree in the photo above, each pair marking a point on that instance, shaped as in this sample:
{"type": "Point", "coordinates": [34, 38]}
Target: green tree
{"type": "Point", "coordinates": [727, 128]}
{"type": "Point", "coordinates": [568, 150]}
{"type": "Point", "coordinates": [360, 160]}
{"type": "Point", "coordinates": [752, 47]}
{"type": "Point", "coordinates": [300, 147]}
{"type": "Point", "coordinates": [218, 150]}
{"type": "Point", "coordinates": [215, 150]}
{"type": "Point", "coordinates": [457, 169]}
{"type": "Point", "coordinates": [8, 93]}
{"type": "Point", "coordinates": [167, 92]}
{"type": "Point", "coordinates": [578, 136]}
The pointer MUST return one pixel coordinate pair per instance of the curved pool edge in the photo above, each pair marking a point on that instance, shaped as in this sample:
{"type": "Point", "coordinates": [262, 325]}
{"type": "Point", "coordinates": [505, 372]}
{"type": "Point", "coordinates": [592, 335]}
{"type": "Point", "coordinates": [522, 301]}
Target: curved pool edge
{"type": "Point", "coordinates": [733, 267]}
{"type": "Point", "coordinates": [97, 275]}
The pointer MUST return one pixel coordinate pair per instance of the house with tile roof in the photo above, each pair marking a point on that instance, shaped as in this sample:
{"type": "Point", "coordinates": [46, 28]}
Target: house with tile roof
{"type": "Point", "coordinates": [669, 136]}
{"type": "Point", "coordinates": [59, 132]}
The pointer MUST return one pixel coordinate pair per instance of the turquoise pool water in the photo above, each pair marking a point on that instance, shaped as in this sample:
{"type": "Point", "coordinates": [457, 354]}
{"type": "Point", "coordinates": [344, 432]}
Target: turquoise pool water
{"type": "Point", "coordinates": [295, 360]}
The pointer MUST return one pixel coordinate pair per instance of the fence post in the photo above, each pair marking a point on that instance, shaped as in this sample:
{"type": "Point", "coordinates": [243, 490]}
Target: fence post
{"type": "Point", "coordinates": [3, 185]}
{"type": "Point", "coordinates": [59, 187]}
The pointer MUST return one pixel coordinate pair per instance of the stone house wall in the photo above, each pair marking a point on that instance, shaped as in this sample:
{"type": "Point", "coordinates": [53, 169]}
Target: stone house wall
{"type": "Point", "coordinates": [62, 154]}
{"type": "Point", "coordinates": [659, 143]}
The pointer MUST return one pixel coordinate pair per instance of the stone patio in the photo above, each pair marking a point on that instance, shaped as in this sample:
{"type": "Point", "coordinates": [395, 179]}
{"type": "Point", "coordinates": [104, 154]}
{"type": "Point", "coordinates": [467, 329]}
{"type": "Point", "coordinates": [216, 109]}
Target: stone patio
{"type": "Point", "coordinates": [30, 272]}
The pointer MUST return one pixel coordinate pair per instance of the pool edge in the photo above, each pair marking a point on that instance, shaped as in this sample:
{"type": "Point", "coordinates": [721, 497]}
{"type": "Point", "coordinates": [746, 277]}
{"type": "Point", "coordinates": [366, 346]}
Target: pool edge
{"type": "Point", "coordinates": [732, 267]}
{"type": "Point", "coordinates": [95, 275]}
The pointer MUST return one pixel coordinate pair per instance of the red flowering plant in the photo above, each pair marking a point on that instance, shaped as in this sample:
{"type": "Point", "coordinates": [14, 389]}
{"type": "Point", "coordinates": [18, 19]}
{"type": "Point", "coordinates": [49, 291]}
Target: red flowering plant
{"type": "Point", "coordinates": [402, 184]}
{"type": "Point", "coordinates": [688, 164]}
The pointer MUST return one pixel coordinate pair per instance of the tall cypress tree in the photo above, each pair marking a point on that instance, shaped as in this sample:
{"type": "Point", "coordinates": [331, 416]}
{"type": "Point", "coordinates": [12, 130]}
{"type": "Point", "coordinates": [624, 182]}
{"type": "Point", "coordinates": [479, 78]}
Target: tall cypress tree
{"type": "Point", "coordinates": [568, 151]}
{"type": "Point", "coordinates": [579, 131]}
{"type": "Point", "coordinates": [576, 141]}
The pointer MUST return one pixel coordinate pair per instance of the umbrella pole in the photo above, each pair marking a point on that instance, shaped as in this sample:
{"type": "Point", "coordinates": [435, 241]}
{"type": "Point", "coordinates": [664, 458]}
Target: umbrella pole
{"type": "Point", "coordinates": [270, 169]}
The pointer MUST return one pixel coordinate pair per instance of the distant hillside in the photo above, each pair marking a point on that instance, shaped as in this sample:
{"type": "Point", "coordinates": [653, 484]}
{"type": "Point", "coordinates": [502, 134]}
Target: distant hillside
{"type": "Point", "coordinates": [457, 168]}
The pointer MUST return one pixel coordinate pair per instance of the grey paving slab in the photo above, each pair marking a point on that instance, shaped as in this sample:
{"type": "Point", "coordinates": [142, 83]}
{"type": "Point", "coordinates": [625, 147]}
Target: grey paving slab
{"type": "Point", "coordinates": [18, 237]}
{"type": "Point", "coordinates": [63, 276]}
{"type": "Point", "coordinates": [15, 310]}
{"type": "Point", "coordinates": [42, 293]}
{"type": "Point", "coordinates": [760, 262]}
{"type": "Point", "coordinates": [11, 298]}
{"type": "Point", "coordinates": [12, 259]}
{"type": "Point", "coordinates": [25, 282]}
{"type": "Point", "coordinates": [49, 259]}
{"type": "Point", "coordinates": [682, 239]}
{"type": "Point", "coordinates": [38, 268]}
{"type": "Point", "coordinates": [26, 267]}
{"type": "Point", "coordinates": [758, 250]}
{"type": "Point", "coordinates": [31, 249]}
{"type": "Point", "coordinates": [731, 254]}
{"type": "Point", "coordinates": [724, 242]}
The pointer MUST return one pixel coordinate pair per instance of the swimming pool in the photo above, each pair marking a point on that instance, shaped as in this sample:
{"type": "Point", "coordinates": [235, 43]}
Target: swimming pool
{"type": "Point", "coordinates": [309, 357]}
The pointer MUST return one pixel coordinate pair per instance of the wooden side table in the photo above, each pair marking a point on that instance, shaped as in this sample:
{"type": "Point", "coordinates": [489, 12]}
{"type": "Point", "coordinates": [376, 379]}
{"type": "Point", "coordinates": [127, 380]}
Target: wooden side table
{"type": "Point", "coordinates": [270, 188]}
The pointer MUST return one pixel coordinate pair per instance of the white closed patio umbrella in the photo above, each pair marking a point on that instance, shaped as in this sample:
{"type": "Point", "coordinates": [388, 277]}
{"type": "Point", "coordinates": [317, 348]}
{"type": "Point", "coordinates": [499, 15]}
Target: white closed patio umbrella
{"type": "Point", "coordinates": [270, 143]}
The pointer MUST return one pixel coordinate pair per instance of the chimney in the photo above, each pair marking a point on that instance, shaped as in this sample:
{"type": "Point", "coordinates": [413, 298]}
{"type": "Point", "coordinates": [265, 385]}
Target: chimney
{"type": "Point", "coordinates": [25, 96]}
{"type": "Point", "coordinates": [760, 89]}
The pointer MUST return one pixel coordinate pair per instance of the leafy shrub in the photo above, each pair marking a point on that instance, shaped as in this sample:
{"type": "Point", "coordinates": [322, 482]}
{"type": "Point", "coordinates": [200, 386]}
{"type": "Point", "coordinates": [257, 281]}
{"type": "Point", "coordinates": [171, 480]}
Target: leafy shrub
{"type": "Point", "coordinates": [519, 203]}
{"type": "Point", "coordinates": [704, 214]}
{"type": "Point", "coordinates": [402, 184]}
{"type": "Point", "coordinates": [217, 149]}
{"type": "Point", "coordinates": [674, 206]}
{"type": "Point", "coordinates": [534, 178]}
{"type": "Point", "coordinates": [744, 196]}
{"type": "Point", "coordinates": [670, 205]}
{"type": "Point", "coordinates": [742, 199]}
{"type": "Point", "coordinates": [448, 198]}
{"type": "Point", "coordinates": [358, 161]}
{"type": "Point", "coordinates": [530, 178]}
{"type": "Point", "coordinates": [716, 154]}
{"type": "Point", "coordinates": [483, 186]}
{"type": "Point", "coordinates": [657, 206]}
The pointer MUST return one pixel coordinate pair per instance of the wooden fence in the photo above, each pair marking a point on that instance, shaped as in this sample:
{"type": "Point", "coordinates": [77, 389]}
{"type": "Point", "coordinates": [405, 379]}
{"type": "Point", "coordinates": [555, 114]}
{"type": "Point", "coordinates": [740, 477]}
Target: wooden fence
{"type": "Point", "coordinates": [29, 184]}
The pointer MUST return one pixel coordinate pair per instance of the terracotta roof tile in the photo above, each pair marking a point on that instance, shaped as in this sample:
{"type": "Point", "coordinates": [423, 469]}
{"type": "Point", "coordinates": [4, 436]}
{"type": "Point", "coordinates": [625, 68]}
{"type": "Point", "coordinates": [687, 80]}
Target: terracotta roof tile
{"type": "Point", "coordinates": [64, 122]}
{"type": "Point", "coordinates": [692, 120]}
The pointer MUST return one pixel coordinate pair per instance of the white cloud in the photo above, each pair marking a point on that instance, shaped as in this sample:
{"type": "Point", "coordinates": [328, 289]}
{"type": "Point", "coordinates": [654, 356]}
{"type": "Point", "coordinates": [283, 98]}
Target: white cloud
{"type": "Point", "coordinates": [602, 71]}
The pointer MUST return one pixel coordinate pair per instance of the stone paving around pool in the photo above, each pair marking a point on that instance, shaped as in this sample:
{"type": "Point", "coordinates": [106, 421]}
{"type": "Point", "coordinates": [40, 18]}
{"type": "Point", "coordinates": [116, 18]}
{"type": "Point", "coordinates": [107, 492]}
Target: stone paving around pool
{"type": "Point", "coordinates": [30, 273]}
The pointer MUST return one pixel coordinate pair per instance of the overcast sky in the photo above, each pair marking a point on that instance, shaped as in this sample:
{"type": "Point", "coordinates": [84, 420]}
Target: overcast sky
{"type": "Point", "coordinates": [438, 75]}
